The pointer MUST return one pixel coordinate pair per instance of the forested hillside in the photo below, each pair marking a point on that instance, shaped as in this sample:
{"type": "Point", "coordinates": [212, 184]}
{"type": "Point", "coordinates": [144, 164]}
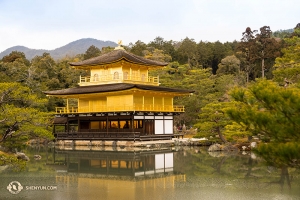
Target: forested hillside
{"type": "Point", "coordinates": [68, 50]}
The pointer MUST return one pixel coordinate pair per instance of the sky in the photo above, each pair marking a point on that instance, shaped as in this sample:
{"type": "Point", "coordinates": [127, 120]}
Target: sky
{"type": "Point", "coordinates": [40, 24]}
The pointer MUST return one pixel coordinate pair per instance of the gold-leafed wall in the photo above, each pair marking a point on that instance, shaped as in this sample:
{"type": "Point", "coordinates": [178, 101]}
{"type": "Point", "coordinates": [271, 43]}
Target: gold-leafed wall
{"type": "Point", "coordinates": [134, 101]}
{"type": "Point", "coordinates": [120, 102]}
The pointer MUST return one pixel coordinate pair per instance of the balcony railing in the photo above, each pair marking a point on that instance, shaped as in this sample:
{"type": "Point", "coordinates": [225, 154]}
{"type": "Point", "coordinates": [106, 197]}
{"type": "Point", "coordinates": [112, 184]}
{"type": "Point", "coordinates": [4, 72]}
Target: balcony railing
{"type": "Point", "coordinates": [117, 78]}
{"type": "Point", "coordinates": [120, 108]}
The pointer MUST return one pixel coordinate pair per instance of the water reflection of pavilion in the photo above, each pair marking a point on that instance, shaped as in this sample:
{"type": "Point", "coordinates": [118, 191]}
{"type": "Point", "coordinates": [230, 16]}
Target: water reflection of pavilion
{"type": "Point", "coordinates": [116, 175]}
{"type": "Point", "coordinates": [116, 163]}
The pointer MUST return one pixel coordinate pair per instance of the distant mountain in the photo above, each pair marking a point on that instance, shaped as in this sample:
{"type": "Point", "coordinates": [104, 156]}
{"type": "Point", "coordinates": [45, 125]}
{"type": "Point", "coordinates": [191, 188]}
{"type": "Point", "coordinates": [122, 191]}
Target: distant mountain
{"type": "Point", "coordinates": [71, 49]}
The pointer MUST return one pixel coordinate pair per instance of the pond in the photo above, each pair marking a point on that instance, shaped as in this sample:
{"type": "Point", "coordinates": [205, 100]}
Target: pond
{"type": "Point", "coordinates": [165, 173]}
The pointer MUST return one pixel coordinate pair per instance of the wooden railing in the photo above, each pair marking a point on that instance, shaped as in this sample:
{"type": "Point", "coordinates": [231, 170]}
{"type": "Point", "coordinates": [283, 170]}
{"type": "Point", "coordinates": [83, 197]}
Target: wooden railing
{"type": "Point", "coordinates": [121, 108]}
{"type": "Point", "coordinates": [104, 79]}
{"type": "Point", "coordinates": [129, 136]}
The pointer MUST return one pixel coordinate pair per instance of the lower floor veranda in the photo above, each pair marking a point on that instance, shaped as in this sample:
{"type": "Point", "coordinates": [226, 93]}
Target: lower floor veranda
{"type": "Point", "coordinates": [114, 126]}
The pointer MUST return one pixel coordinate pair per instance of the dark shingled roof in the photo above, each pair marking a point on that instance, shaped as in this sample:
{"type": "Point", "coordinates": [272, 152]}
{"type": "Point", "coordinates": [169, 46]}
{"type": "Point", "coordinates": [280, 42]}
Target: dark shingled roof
{"type": "Point", "coordinates": [112, 88]}
{"type": "Point", "coordinates": [115, 56]}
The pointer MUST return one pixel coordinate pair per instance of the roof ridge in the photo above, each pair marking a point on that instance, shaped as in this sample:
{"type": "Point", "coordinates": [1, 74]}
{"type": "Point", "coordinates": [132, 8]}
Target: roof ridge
{"type": "Point", "coordinates": [116, 55]}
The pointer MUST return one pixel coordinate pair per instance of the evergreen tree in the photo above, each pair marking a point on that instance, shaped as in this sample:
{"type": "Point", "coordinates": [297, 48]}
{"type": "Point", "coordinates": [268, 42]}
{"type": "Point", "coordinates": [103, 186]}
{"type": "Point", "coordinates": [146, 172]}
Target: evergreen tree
{"type": "Point", "coordinates": [21, 116]}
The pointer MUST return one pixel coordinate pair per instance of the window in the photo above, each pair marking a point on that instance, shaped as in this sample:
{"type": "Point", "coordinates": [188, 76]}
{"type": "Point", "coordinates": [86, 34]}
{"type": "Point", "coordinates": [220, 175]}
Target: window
{"type": "Point", "coordinates": [125, 76]}
{"type": "Point", "coordinates": [116, 75]}
{"type": "Point", "coordinates": [96, 78]}
{"type": "Point", "coordinates": [143, 77]}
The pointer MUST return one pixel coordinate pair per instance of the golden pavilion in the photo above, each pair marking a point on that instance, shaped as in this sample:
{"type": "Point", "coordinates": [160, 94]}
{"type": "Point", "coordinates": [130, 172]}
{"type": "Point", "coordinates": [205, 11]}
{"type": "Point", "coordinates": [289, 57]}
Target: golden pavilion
{"type": "Point", "coordinates": [117, 101]}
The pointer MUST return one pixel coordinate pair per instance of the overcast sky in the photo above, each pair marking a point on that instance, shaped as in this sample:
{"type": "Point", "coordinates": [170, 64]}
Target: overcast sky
{"type": "Point", "coordinates": [49, 24]}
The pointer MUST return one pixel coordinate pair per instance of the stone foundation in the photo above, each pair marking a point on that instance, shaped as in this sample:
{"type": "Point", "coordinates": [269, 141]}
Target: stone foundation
{"type": "Point", "coordinates": [126, 144]}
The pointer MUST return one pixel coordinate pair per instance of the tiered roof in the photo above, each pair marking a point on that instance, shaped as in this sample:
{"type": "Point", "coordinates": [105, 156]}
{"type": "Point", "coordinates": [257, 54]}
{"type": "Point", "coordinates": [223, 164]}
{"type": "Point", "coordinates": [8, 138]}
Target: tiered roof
{"type": "Point", "coordinates": [115, 56]}
{"type": "Point", "coordinates": [112, 88]}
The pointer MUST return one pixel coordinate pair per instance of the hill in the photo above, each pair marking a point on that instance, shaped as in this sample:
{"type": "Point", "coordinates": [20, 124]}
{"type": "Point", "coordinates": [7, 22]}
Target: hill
{"type": "Point", "coordinates": [71, 49]}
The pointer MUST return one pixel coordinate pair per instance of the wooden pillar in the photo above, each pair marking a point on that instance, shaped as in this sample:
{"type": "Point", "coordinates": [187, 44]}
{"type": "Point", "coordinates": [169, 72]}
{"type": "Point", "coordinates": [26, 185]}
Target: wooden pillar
{"type": "Point", "coordinates": [143, 102]}
{"type": "Point", "coordinates": [152, 103]}
{"type": "Point", "coordinates": [106, 125]}
{"type": "Point", "coordinates": [67, 106]}
{"type": "Point", "coordinates": [68, 125]}
{"type": "Point", "coordinates": [78, 124]}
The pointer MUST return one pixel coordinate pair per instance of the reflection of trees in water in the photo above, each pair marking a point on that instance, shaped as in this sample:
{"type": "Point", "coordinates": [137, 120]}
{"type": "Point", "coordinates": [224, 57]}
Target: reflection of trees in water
{"type": "Point", "coordinates": [245, 170]}
{"type": "Point", "coordinates": [217, 166]}
{"type": "Point", "coordinates": [242, 171]}
{"type": "Point", "coordinates": [284, 177]}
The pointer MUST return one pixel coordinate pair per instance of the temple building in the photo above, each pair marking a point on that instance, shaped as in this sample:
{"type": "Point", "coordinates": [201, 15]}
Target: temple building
{"type": "Point", "coordinates": [117, 101]}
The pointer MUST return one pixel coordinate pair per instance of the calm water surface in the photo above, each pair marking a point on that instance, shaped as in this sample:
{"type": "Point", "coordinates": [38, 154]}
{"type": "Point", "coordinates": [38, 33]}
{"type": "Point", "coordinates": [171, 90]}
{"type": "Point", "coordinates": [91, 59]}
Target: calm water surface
{"type": "Point", "coordinates": [171, 173]}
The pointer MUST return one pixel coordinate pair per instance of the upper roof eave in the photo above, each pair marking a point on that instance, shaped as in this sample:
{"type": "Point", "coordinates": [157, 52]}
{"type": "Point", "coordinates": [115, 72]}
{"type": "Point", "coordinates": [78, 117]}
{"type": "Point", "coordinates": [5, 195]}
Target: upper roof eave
{"type": "Point", "coordinates": [113, 88]}
{"type": "Point", "coordinates": [115, 56]}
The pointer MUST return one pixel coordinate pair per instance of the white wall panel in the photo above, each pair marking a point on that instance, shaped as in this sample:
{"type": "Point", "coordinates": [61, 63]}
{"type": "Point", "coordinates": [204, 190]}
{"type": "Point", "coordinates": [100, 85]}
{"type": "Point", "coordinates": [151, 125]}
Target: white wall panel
{"type": "Point", "coordinates": [168, 126]}
{"type": "Point", "coordinates": [159, 126]}
{"type": "Point", "coordinates": [159, 161]}
{"type": "Point", "coordinates": [169, 162]}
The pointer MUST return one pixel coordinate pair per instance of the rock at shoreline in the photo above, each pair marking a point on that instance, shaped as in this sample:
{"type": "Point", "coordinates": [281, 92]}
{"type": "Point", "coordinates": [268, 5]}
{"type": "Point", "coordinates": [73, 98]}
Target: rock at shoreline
{"type": "Point", "coordinates": [22, 156]}
{"type": "Point", "coordinates": [215, 147]}
{"type": "Point", "coordinates": [37, 157]}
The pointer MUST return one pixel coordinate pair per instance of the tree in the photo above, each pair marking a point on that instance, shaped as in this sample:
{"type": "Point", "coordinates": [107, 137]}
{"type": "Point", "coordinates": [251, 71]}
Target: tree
{"type": "Point", "coordinates": [91, 52]}
{"type": "Point", "coordinates": [287, 67]}
{"type": "Point", "coordinates": [187, 53]}
{"type": "Point", "coordinates": [274, 112]}
{"type": "Point", "coordinates": [267, 47]}
{"type": "Point", "coordinates": [259, 52]}
{"type": "Point", "coordinates": [229, 65]}
{"type": "Point", "coordinates": [13, 56]}
{"type": "Point", "coordinates": [14, 68]}
{"type": "Point", "coordinates": [214, 120]}
{"type": "Point", "coordinates": [105, 50]}
{"type": "Point", "coordinates": [43, 74]}
{"type": "Point", "coordinates": [220, 51]}
{"type": "Point", "coordinates": [205, 54]}
{"type": "Point", "coordinates": [137, 48]}
{"type": "Point", "coordinates": [247, 46]}
{"type": "Point", "coordinates": [21, 117]}
{"type": "Point", "coordinates": [166, 46]}
{"type": "Point", "coordinates": [156, 54]}
{"type": "Point", "coordinates": [282, 33]}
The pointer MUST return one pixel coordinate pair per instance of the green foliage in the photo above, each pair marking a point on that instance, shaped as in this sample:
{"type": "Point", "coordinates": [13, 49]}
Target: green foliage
{"type": "Point", "coordinates": [167, 47]}
{"type": "Point", "coordinates": [137, 48]}
{"type": "Point", "coordinates": [214, 120]}
{"type": "Point", "coordinates": [14, 68]}
{"type": "Point", "coordinates": [268, 109]}
{"type": "Point", "coordinates": [287, 67]}
{"type": "Point", "coordinates": [105, 50]}
{"type": "Point", "coordinates": [15, 55]}
{"type": "Point", "coordinates": [21, 117]}
{"type": "Point", "coordinates": [156, 54]}
{"type": "Point", "coordinates": [229, 65]}
{"type": "Point", "coordinates": [258, 52]}
{"type": "Point", "coordinates": [280, 154]}
{"type": "Point", "coordinates": [206, 55]}
{"type": "Point", "coordinates": [187, 52]}
{"type": "Point", "coordinates": [91, 52]}
{"type": "Point", "coordinates": [282, 33]}
{"type": "Point", "coordinates": [13, 162]}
